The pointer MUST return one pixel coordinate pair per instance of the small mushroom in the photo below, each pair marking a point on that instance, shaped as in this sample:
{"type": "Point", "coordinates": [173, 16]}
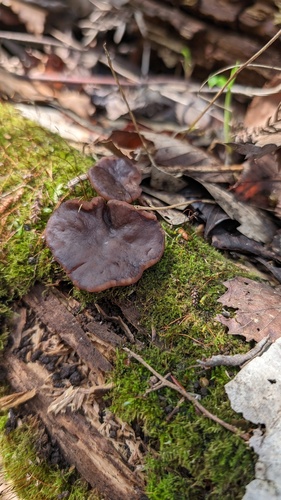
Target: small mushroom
{"type": "Point", "coordinates": [116, 179]}
{"type": "Point", "coordinates": [101, 245]}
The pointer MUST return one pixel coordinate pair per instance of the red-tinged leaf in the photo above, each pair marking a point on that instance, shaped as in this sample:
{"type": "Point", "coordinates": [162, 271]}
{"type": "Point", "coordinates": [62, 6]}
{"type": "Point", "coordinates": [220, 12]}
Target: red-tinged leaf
{"type": "Point", "coordinates": [258, 309]}
{"type": "Point", "coordinates": [123, 139]}
{"type": "Point", "coordinates": [260, 183]}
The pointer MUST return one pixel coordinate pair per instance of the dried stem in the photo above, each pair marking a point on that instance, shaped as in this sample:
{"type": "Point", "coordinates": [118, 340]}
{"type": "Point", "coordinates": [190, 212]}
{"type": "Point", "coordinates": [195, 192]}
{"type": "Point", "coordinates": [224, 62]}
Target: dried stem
{"type": "Point", "coordinates": [234, 76]}
{"type": "Point", "coordinates": [115, 76]}
{"type": "Point", "coordinates": [188, 396]}
{"type": "Point", "coordinates": [176, 205]}
{"type": "Point", "coordinates": [237, 359]}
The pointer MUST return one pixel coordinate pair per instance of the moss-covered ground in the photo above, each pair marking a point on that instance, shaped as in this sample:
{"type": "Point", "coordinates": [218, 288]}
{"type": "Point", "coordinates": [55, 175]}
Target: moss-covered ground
{"type": "Point", "coordinates": [30, 474]}
{"type": "Point", "coordinates": [189, 456]}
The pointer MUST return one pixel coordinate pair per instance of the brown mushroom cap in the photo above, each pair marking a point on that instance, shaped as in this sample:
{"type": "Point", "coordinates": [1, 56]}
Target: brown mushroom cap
{"type": "Point", "coordinates": [116, 179]}
{"type": "Point", "coordinates": [101, 245]}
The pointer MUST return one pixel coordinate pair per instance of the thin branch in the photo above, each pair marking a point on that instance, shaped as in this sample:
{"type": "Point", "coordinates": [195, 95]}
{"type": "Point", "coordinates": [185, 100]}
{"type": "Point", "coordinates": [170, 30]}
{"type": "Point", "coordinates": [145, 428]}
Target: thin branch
{"type": "Point", "coordinates": [128, 107]}
{"type": "Point", "coordinates": [233, 77]}
{"type": "Point", "coordinates": [188, 396]}
{"type": "Point", "coordinates": [237, 359]}
{"type": "Point", "coordinates": [176, 205]}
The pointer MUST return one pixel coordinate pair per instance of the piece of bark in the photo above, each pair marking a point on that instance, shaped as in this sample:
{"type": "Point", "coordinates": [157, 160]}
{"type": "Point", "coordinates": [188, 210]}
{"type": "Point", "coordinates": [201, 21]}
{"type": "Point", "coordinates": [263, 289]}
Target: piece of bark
{"type": "Point", "coordinates": [50, 310]}
{"type": "Point", "coordinates": [221, 11]}
{"type": "Point", "coordinates": [259, 19]}
{"type": "Point", "coordinates": [82, 444]}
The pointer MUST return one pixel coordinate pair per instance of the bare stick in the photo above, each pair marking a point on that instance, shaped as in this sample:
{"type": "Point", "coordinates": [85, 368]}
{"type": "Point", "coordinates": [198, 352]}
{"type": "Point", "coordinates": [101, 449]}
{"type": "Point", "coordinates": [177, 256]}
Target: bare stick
{"type": "Point", "coordinates": [176, 205]}
{"type": "Point", "coordinates": [237, 359]}
{"type": "Point", "coordinates": [233, 77]}
{"type": "Point", "coordinates": [128, 107]}
{"type": "Point", "coordinates": [188, 396]}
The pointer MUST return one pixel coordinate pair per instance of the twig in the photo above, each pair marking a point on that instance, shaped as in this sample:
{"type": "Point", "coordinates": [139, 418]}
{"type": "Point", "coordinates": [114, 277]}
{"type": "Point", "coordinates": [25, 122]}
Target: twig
{"type": "Point", "coordinates": [158, 385]}
{"type": "Point", "coordinates": [73, 182]}
{"type": "Point", "coordinates": [167, 207]}
{"type": "Point", "coordinates": [36, 40]}
{"type": "Point", "coordinates": [128, 107]}
{"type": "Point", "coordinates": [233, 77]}
{"type": "Point", "coordinates": [175, 410]}
{"type": "Point", "coordinates": [237, 359]}
{"type": "Point", "coordinates": [188, 396]}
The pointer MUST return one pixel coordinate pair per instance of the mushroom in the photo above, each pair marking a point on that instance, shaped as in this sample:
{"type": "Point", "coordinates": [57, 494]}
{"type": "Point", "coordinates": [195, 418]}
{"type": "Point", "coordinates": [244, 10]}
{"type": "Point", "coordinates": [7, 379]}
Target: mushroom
{"type": "Point", "coordinates": [101, 245]}
{"type": "Point", "coordinates": [116, 179]}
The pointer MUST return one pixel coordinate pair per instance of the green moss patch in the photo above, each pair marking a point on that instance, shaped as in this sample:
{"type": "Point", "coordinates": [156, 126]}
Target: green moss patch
{"type": "Point", "coordinates": [35, 168]}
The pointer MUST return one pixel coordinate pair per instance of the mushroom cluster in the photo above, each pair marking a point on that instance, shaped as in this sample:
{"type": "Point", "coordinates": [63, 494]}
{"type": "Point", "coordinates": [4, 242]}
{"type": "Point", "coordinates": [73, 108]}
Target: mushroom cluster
{"type": "Point", "coordinates": [106, 242]}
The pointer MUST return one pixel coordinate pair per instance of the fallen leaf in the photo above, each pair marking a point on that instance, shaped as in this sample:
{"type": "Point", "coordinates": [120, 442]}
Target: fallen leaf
{"type": "Point", "coordinates": [258, 309]}
{"type": "Point", "coordinates": [262, 136]}
{"type": "Point", "coordinates": [260, 183]}
{"type": "Point", "coordinates": [173, 156]}
{"type": "Point", "coordinates": [32, 16]}
{"type": "Point", "coordinates": [174, 217]}
{"type": "Point", "coordinates": [254, 223]}
{"type": "Point", "coordinates": [255, 392]}
{"type": "Point", "coordinates": [236, 242]}
{"type": "Point", "coordinates": [262, 108]}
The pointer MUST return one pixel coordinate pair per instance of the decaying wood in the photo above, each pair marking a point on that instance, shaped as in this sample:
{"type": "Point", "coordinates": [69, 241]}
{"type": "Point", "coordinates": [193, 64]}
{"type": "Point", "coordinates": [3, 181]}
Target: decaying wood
{"type": "Point", "coordinates": [93, 455]}
{"type": "Point", "coordinates": [54, 316]}
{"type": "Point", "coordinates": [16, 399]}
{"type": "Point", "coordinates": [240, 30]}
{"type": "Point", "coordinates": [79, 434]}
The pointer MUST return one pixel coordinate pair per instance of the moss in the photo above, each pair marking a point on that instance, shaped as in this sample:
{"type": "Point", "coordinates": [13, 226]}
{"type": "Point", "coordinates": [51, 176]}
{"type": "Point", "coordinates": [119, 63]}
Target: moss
{"type": "Point", "coordinates": [195, 458]}
{"type": "Point", "coordinates": [32, 477]}
{"type": "Point", "coordinates": [189, 456]}
{"type": "Point", "coordinates": [37, 167]}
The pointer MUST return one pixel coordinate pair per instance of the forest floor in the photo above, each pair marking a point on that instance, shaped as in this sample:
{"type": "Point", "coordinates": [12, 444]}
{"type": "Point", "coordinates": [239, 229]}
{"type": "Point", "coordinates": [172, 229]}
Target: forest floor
{"type": "Point", "coordinates": [119, 392]}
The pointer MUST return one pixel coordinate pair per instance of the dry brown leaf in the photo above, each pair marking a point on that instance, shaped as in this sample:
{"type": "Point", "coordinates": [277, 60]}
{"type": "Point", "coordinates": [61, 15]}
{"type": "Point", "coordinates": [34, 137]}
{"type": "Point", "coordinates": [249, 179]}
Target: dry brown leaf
{"type": "Point", "coordinates": [262, 108]}
{"type": "Point", "coordinates": [32, 16]}
{"type": "Point", "coordinates": [77, 102]}
{"type": "Point", "coordinates": [262, 124]}
{"type": "Point", "coordinates": [173, 156]}
{"type": "Point", "coordinates": [260, 183]}
{"type": "Point", "coordinates": [20, 90]}
{"type": "Point", "coordinates": [258, 309]}
{"type": "Point", "coordinates": [254, 223]}
{"type": "Point", "coordinates": [6, 486]}
{"type": "Point", "coordinates": [7, 200]}
{"type": "Point", "coordinates": [17, 88]}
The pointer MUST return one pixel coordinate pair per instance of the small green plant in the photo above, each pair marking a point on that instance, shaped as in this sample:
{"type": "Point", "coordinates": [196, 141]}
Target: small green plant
{"type": "Point", "coordinates": [187, 61]}
{"type": "Point", "coordinates": [219, 80]}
